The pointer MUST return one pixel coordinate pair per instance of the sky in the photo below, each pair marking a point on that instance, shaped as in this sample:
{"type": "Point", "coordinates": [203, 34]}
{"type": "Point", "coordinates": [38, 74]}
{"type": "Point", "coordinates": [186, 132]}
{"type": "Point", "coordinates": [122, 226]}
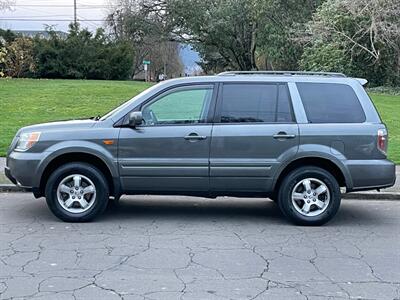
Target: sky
{"type": "Point", "coordinates": [60, 13]}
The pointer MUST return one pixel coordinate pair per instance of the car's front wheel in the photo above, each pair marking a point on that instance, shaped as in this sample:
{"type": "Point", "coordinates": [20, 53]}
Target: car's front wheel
{"type": "Point", "coordinates": [309, 196]}
{"type": "Point", "coordinates": [77, 192]}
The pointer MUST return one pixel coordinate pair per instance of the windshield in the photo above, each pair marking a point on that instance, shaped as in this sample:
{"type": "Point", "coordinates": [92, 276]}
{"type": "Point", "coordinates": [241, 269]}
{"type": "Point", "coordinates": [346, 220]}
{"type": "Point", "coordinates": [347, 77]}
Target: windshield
{"type": "Point", "coordinates": [126, 104]}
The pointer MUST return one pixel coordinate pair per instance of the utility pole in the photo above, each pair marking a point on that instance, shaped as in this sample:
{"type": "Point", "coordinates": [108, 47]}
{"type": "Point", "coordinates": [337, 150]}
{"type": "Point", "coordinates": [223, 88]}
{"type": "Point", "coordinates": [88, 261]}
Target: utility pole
{"type": "Point", "coordinates": [75, 12]}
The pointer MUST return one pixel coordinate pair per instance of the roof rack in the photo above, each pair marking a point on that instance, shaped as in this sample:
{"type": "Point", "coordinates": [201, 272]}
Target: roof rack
{"type": "Point", "coordinates": [283, 73]}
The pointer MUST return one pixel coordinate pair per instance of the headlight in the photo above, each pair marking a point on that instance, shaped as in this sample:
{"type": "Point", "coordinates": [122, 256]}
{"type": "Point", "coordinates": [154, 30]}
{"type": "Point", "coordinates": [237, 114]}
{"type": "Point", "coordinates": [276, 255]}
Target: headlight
{"type": "Point", "coordinates": [27, 140]}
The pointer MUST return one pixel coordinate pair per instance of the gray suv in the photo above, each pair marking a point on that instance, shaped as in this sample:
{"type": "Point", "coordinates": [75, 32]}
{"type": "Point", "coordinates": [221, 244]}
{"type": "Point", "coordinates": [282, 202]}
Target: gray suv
{"type": "Point", "coordinates": [295, 137]}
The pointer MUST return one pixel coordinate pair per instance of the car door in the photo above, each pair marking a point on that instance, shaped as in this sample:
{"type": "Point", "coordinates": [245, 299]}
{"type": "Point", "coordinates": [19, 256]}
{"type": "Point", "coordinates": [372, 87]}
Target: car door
{"type": "Point", "coordinates": [169, 152]}
{"type": "Point", "coordinates": [254, 132]}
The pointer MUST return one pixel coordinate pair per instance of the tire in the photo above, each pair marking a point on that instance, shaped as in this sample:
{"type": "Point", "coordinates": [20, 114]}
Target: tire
{"type": "Point", "coordinates": [317, 180]}
{"type": "Point", "coordinates": [67, 176]}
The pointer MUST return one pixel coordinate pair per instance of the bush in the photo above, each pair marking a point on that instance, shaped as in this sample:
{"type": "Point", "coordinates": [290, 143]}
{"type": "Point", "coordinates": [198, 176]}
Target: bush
{"type": "Point", "coordinates": [19, 59]}
{"type": "Point", "coordinates": [3, 53]}
{"type": "Point", "coordinates": [384, 90]}
{"type": "Point", "coordinates": [82, 55]}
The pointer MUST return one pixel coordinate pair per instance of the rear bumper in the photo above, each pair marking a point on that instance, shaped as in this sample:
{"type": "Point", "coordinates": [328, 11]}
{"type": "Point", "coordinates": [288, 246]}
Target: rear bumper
{"type": "Point", "coordinates": [371, 174]}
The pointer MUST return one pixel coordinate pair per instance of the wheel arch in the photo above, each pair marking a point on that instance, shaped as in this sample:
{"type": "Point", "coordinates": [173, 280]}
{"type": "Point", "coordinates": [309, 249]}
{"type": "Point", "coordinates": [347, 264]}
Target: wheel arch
{"type": "Point", "coordinates": [335, 168]}
{"type": "Point", "coordinates": [85, 157]}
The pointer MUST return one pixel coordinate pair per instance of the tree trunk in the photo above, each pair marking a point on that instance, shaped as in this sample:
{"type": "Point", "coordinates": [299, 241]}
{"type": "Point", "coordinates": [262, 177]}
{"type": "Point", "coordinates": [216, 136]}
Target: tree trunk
{"type": "Point", "coordinates": [253, 46]}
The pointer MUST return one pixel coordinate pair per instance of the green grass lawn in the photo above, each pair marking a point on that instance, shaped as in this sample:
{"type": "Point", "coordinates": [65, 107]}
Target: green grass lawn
{"type": "Point", "coordinates": [29, 101]}
{"type": "Point", "coordinates": [389, 109]}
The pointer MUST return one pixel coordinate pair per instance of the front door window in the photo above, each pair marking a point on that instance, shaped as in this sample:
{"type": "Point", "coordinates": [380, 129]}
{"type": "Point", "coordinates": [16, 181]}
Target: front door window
{"type": "Point", "coordinates": [184, 106]}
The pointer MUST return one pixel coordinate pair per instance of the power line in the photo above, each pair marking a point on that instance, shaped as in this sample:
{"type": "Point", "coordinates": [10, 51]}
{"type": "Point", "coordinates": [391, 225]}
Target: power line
{"type": "Point", "coordinates": [83, 20]}
{"type": "Point", "coordinates": [80, 6]}
{"type": "Point", "coordinates": [59, 20]}
{"type": "Point", "coordinates": [33, 10]}
{"type": "Point", "coordinates": [49, 18]}
{"type": "Point", "coordinates": [33, 17]}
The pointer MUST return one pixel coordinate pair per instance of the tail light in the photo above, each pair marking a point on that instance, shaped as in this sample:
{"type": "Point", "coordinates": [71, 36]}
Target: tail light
{"type": "Point", "coordinates": [382, 140]}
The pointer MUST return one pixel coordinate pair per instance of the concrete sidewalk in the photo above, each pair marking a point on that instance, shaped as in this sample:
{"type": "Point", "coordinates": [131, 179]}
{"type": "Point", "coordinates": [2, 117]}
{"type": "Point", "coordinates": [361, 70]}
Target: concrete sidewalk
{"type": "Point", "coordinates": [3, 179]}
{"type": "Point", "coordinates": [390, 193]}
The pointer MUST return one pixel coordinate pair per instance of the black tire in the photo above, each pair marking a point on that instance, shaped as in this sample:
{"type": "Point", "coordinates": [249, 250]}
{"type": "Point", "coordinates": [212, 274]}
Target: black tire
{"type": "Point", "coordinates": [289, 183]}
{"type": "Point", "coordinates": [100, 201]}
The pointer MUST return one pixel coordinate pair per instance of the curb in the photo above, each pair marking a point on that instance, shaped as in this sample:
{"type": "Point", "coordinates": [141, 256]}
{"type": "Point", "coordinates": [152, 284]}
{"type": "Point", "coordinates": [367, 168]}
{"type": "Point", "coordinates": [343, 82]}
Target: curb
{"type": "Point", "coordinates": [4, 188]}
{"type": "Point", "coordinates": [10, 188]}
{"type": "Point", "coordinates": [372, 196]}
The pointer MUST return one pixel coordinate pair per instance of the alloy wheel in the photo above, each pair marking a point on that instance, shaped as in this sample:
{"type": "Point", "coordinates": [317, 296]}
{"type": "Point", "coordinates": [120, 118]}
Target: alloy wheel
{"type": "Point", "coordinates": [76, 193]}
{"type": "Point", "coordinates": [310, 197]}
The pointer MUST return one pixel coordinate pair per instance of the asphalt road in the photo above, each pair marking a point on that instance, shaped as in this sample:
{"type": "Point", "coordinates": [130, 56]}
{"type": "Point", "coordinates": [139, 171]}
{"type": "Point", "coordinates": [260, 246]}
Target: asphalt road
{"type": "Point", "coordinates": [189, 248]}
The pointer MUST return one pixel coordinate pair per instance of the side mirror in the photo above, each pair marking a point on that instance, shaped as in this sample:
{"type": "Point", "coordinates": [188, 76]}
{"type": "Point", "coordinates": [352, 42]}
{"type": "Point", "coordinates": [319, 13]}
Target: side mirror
{"type": "Point", "coordinates": [135, 118]}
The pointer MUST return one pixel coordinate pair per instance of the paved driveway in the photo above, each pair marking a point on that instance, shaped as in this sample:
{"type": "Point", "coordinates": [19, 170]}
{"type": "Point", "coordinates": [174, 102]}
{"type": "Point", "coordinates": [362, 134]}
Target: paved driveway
{"type": "Point", "coordinates": [188, 248]}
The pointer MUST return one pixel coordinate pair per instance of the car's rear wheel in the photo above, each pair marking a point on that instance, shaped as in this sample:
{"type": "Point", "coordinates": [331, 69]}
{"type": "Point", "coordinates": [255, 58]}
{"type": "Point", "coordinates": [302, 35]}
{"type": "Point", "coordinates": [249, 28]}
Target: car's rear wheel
{"type": "Point", "coordinates": [309, 196]}
{"type": "Point", "coordinates": [77, 192]}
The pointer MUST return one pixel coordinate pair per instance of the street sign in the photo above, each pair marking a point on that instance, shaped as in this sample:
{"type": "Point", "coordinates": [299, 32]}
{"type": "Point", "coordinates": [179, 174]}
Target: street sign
{"type": "Point", "coordinates": [146, 64]}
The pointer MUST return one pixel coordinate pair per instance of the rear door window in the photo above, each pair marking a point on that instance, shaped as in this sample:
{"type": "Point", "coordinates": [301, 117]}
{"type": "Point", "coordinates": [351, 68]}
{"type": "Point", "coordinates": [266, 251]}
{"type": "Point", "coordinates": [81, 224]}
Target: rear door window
{"type": "Point", "coordinates": [255, 103]}
{"type": "Point", "coordinates": [330, 103]}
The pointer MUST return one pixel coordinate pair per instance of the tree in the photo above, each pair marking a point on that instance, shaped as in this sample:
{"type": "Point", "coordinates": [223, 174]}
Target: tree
{"type": "Point", "coordinates": [228, 28]}
{"type": "Point", "coordinates": [228, 34]}
{"type": "Point", "coordinates": [277, 47]}
{"type": "Point", "coordinates": [221, 27]}
{"type": "Point", "coordinates": [221, 30]}
{"type": "Point", "coordinates": [326, 57]}
{"type": "Point", "coordinates": [135, 23]}
{"type": "Point", "coordinates": [365, 32]}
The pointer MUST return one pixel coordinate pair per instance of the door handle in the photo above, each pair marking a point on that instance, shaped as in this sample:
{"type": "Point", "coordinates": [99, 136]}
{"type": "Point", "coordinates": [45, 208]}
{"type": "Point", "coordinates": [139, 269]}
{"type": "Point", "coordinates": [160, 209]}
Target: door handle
{"type": "Point", "coordinates": [194, 137]}
{"type": "Point", "coordinates": [283, 135]}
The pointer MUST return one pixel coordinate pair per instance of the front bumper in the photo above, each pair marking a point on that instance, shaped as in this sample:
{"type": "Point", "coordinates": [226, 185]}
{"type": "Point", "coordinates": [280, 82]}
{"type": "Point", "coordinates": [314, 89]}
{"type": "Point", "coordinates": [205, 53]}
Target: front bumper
{"type": "Point", "coordinates": [7, 172]}
{"type": "Point", "coordinates": [21, 168]}
{"type": "Point", "coordinates": [13, 180]}
{"type": "Point", "coordinates": [371, 174]}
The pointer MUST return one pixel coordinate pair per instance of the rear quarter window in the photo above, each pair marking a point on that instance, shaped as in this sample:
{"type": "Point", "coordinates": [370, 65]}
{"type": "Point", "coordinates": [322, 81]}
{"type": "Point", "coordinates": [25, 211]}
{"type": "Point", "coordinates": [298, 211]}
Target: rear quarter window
{"type": "Point", "coordinates": [330, 103]}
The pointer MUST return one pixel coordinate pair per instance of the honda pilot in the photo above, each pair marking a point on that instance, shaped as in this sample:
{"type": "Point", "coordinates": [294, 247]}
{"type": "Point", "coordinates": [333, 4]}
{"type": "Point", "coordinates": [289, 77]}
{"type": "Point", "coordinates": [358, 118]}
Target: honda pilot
{"type": "Point", "coordinates": [299, 138]}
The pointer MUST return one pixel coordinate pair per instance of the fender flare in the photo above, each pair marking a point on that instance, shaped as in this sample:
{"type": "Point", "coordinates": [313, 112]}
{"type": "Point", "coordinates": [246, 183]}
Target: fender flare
{"type": "Point", "coordinates": [335, 159]}
{"type": "Point", "coordinates": [69, 147]}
